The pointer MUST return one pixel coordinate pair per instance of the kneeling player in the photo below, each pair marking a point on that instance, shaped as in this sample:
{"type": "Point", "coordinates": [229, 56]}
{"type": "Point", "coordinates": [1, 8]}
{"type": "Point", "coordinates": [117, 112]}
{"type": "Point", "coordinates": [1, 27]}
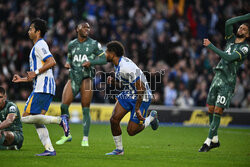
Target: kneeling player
{"type": "Point", "coordinates": [136, 97]}
{"type": "Point", "coordinates": [11, 133]}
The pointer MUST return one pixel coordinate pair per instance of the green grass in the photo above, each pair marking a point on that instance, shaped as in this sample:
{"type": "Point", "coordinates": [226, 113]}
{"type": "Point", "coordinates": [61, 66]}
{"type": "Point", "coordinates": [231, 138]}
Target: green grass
{"type": "Point", "coordinates": [168, 146]}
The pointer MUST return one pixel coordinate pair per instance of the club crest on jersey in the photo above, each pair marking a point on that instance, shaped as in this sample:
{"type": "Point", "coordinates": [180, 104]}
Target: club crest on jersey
{"type": "Point", "coordinates": [80, 58]}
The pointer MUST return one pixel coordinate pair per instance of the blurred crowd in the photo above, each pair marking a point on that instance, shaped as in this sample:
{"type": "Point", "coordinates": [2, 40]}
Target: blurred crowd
{"type": "Point", "coordinates": [163, 37]}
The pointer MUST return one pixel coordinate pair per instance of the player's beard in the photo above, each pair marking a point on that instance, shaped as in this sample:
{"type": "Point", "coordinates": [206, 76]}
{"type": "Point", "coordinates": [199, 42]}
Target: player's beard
{"type": "Point", "coordinates": [240, 35]}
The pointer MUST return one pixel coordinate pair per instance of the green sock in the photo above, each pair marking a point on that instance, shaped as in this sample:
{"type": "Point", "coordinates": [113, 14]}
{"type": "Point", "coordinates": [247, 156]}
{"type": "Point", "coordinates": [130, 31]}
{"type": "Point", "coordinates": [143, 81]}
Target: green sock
{"type": "Point", "coordinates": [214, 126]}
{"type": "Point", "coordinates": [2, 138]}
{"type": "Point", "coordinates": [65, 109]}
{"type": "Point", "coordinates": [210, 115]}
{"type": "Point", "coordinates": [86, 121]}
{"type": "Point", "coordinates": [3, 147]}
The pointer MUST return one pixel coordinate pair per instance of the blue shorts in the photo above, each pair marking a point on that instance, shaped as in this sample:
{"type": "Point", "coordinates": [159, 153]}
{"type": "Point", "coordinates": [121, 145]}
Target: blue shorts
{"type": "Point", "coordinates": [38, 102]}
{"type": "Point", "coordinates": [129, 105]}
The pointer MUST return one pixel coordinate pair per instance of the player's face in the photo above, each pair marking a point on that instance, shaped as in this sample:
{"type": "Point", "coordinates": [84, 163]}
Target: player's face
{"type": "Point", "coordinates": [2, 100]}
{"type": "Point", "coordinates": [32, 32]}
{"type": "Point", "coordinates": [243, 31]}
{"type": "Point", "coordinates": [109, 55]}
{"type": "Point", "coordinates": [83, 30]}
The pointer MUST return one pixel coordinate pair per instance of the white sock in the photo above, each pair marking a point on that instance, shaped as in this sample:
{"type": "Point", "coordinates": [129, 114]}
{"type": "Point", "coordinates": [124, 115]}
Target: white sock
{"type": "Point", "coordinates": [208, 141]}
{"type": "Point", "coordinates": [85, 138]}
{"type": "Point", "coordinates": [215, 139]}
{"type": "Point", "coordinates": [43, 134]}
{"type": "Point", "coordinates": [118, 142]}
{"type": "Point", "coordinates": [41, 119]}
{"type": "Point", "coordinates": [148, 120]}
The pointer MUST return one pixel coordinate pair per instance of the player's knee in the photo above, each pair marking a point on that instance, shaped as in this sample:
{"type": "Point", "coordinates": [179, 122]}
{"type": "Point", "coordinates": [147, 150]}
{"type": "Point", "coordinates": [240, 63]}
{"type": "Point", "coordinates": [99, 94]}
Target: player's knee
{"type": "Point", "coordinates": [211, 109]}
{"type": "Point", "coordinates": [114, 121]}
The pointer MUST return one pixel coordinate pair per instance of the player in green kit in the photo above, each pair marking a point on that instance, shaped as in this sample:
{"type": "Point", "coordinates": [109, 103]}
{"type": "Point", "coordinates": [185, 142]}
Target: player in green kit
{"type": "Point", "coordinates": [11, 133]}
{"type": "Point", "coordinates": [83, 54]}
{"type": "Point", "coordinates": [223, 84]}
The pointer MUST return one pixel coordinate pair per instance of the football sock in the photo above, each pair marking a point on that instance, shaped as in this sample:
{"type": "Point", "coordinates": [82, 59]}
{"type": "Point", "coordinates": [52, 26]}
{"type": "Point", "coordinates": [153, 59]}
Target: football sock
{"type": "Point", "coordinates": [2, 138]}
{"type": "Point", "coordinates": [148, 120]}
{"type": "Point", "coordinates": [43, 134]}
{"type": "Point", "coordinates": [3, 147]}
{"type": "Point", "coordinates": [118, 142]}
{"type": "Point", "coordinates": [86, 121]}
{"type": "Point", "coordinates": [214, 126]}
{"type": "Point", "coordinates": [41, 119]}
{"type": "Point", "coordinates": [65, 109]}
{"type": "Point", "coordinates": [85, 138]}
{"type": "Point", "coordinates": [208, 141]}
{"type": "Point", "coordinates": [210, 115]}
{"type": "Point", "coordinates": [215, 139]}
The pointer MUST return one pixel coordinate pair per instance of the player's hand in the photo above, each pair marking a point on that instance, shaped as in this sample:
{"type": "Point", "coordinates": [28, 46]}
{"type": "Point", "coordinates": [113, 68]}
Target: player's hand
{"type": "Point", "coordinates": [86, 64]}
{"type": "Point", "coordinates": [31, 75]}
{"type": "Point", "coordinates": [16, 78]}
{"type": "Point", "coordinates": [110, 80]}
{"type": "Point", "coordinates": [139, 116]}
{"type": "Point", "coordinates": [206, 42]}
{"type": "Point", "coordinates": [67, 65]}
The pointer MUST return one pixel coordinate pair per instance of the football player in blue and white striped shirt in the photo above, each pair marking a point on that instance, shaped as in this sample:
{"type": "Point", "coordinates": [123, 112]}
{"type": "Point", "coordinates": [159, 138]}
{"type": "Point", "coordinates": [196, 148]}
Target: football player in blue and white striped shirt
{"type": "Point", "coordinates": [41, 61]}
{"type": "Point", "coordinates": [135, 98]}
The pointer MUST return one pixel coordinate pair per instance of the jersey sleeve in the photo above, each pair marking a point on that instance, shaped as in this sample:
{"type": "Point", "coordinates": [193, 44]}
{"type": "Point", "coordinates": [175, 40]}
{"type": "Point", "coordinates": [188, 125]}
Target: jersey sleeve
{"type": "Point", "coordinates": [243, 51]}
{"type": "Point", "coordinates": [98, 50]}
{"type": "Point", "coordinates": [43, 51]}
{"type": "Point", "coordinates": [12, 110]}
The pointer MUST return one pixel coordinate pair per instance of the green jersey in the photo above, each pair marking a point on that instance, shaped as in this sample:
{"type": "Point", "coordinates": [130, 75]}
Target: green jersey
{"type": "Point", "coordinates": [234, 54]}
{"type": "Point", "coordinates": [80, 52]}
{"type": "Point", "coordinates": [9, 108]}
{"type": "Point", "coordinates": [228, 68]}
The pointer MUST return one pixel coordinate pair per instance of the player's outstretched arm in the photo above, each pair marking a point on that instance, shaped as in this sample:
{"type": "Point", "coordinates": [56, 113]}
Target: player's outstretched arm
{"type": "Point", "coordinates": [99, 60]}
{"type": "Point", "coordinates": [9, 120]}
{"type": "Point", "coordinates": [17, 78]}
{"type": "Point", "coordinates": [140, 88]}
{"type": "Point", "coordinates": [230, 22]}
{"type": "Point", "coordinates": [234, 56]}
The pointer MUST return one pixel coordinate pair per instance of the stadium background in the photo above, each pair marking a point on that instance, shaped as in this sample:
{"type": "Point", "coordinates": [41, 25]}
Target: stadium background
{"type": "Point", "coordinates": [160, 34]}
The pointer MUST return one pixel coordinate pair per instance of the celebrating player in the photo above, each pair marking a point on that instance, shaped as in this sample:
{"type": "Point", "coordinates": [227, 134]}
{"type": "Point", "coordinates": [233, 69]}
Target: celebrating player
{"type": "Point", "coordinates": [223, 84]}
{"type": "Point", "coordinates": [83, 54]}
{"type": "Point", "coordinates": [136, 97]}
{"type": "Point", "coordinates": [11, 133]}
{"type": "Point", "coordinates": [41, 62]}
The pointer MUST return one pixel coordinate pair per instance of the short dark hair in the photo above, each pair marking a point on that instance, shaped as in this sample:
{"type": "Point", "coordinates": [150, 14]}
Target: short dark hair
{"type": "Point", "coordinates": [2, 90]}
{"type": "Point", "coordinates": [248, 26]}
{"type": "Point", "coordinates": [80, 22]}
{"type": "Point", "coordinates": [41, 25]}
{"type": "Point", "coordinates": [116, 47]}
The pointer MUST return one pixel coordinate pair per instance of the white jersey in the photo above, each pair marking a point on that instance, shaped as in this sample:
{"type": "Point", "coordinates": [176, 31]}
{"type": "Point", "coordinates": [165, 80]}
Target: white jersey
{"type": "Point", "coordinates": [128, 73]}
{"type": "Point", "coordinates": [43, 83]}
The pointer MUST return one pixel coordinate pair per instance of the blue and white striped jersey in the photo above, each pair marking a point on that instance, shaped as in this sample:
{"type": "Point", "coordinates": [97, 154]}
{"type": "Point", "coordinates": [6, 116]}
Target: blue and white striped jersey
{"type": "Point", "coordinates": [43, 83]}
{"type": "Point", "coordinates": [128, 73]}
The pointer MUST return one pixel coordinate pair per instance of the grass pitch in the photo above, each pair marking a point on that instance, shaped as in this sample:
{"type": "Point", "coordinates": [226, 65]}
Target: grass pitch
{"type": "Point", "coordinates": [168, 146]}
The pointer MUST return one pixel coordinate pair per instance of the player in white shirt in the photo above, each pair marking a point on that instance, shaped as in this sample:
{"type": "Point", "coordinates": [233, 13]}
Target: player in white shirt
{"type": "Point", "coordinates": [41, 62]}
{"type": "Point", "coordinates": [136, 96]}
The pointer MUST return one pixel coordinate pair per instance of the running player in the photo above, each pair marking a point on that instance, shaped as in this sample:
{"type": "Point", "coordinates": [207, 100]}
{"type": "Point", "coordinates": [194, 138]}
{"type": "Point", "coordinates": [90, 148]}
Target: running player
{"type": "Point", "coordinates": [83, 54]}
{"type": "Point", "coordinates": [41, 62]}
{"type": "Point", "coordinates": [223, 84]}
{"type": "Point", "coordinates": [11, 132]}
{"type": "Point", "coordinates": [136, 97]}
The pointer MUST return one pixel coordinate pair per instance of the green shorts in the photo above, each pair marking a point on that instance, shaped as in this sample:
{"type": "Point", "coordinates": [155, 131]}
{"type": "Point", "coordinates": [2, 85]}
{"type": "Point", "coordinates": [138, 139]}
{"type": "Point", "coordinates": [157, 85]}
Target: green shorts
{"type": "Point", "coordinates": [18, 139]}
{"type": "Point", "coordinates": [77, 76]}
{"type": "Point", "coordinates": [220, 92]}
